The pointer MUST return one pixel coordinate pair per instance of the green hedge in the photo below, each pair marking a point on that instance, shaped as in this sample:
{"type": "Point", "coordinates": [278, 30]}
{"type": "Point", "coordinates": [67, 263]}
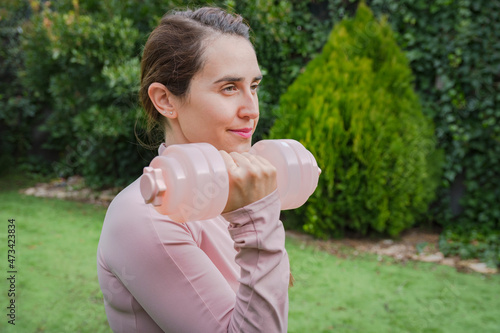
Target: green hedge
{"type": "Point", "coordinates": [354, 107]}
{"type": "Point", "coordinates": [17, 113]}
{"type": "Point", "coordinates": [85, 71]}
{"type": "Point", "coordinates": [454, 51]}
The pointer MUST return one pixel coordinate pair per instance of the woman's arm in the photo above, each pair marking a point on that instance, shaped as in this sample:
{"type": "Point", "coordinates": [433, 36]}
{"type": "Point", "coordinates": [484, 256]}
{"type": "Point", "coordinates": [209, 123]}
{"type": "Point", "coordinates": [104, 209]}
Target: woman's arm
{"type": "Point", "coordinates": [259, 237]}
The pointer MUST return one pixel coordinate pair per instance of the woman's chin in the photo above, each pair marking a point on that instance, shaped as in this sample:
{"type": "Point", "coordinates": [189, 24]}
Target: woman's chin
{"type": "Point", "coordinates": [239, 148]}
{"type": "Point", "coordinates": [244, 148]}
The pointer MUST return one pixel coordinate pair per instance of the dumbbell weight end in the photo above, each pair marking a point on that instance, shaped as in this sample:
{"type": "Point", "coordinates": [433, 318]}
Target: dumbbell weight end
{"type": "Point", "coordinates": [187, 182]}
{"type": "Point", "coordinates": [152, 186]}
{"type": "Point", "coordinates": [297, 170]}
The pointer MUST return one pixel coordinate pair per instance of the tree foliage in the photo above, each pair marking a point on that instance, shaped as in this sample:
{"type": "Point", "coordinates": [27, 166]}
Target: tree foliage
{"type": "Point", "coordinates": [17, 112]}
{"type": "Point", "coordinates": [355, 108]}
{"type": "Point", "coordinates": [86, 73]}
{"type": "Point", "coordinates": [454, 51]}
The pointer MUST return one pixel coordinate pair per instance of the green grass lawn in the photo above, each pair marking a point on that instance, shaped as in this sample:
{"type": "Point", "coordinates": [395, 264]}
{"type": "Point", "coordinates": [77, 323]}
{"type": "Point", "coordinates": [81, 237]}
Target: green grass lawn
{"type": "Point", "coordinates": [365, 295]}
{"type": "Point", "coordinates": [57, 289]}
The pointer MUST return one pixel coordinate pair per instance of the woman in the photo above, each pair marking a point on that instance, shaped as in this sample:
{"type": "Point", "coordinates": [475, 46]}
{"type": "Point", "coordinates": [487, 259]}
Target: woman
{"type": "Point", "coordinates": [229, 274]}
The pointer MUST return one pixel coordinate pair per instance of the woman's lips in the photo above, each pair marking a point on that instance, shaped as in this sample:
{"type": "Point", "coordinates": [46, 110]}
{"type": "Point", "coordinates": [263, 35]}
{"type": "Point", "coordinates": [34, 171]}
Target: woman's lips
{"type": "Point", "coordinates": [243, 132]}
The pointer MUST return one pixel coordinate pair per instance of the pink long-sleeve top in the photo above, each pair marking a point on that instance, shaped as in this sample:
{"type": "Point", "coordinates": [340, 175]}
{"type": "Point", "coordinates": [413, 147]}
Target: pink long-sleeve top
{"type": "Point", "coordinates": [227, 274]}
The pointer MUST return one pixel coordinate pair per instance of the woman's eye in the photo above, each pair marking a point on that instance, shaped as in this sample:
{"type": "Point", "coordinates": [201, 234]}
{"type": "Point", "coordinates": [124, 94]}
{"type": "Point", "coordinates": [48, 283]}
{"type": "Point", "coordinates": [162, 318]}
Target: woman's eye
{"type": "Point", "coordinates": [229, 88]}
{"type": "Point", "coordinates": [255, 87]}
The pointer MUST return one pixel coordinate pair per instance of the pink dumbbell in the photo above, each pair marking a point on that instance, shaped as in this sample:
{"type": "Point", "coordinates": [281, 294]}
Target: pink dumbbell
{"type": "Point", "coordinates": [190, 182]}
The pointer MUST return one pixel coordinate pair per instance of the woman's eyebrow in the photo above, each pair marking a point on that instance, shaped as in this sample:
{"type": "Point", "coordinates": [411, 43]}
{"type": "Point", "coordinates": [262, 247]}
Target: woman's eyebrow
{"type": "Point", "coordinates": [236, 79]}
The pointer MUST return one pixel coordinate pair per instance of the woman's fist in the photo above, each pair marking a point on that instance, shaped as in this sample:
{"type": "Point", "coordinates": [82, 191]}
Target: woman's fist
{"type": "Point", "coordinates": [251, 178]}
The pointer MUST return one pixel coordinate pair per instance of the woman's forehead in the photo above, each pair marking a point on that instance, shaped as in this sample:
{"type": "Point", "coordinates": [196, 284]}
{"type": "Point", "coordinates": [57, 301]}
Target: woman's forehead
{"type": "Point", "coordinates": [229, 57]}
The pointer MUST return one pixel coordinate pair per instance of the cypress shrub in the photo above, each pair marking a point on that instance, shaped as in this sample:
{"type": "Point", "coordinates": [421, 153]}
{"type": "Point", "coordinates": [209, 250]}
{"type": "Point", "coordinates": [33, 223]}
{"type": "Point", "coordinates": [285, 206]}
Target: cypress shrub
{"type": "Point", "coordinates": [354, 107]}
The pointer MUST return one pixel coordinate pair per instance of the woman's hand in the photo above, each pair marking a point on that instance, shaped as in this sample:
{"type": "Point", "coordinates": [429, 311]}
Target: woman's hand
{"type": "Point", "coordinates": [251, 178]}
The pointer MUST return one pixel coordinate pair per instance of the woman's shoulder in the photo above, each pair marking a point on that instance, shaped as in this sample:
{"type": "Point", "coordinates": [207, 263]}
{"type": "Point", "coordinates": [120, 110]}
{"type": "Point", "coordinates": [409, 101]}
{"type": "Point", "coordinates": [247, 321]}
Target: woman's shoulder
{"type": "Point", "coordinates": [128, 209]}
{"type": "Point", "coordinates": [128, 198]}
{"type": "Point", "coordinates": [129, 220]}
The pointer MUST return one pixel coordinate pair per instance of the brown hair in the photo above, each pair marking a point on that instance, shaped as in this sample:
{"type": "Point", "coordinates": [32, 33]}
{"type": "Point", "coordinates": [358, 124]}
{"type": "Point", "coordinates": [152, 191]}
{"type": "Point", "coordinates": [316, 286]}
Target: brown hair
{"type": "Point", "coordinates": [173, 53]}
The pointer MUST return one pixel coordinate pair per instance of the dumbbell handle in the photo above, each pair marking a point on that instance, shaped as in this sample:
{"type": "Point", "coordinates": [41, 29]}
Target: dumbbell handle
{"type": "Point", "coordinates": [190, 182]}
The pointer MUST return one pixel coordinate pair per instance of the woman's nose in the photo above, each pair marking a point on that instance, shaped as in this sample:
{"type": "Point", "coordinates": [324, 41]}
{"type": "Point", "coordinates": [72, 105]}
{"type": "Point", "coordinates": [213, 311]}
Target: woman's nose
{"type": "Point", "coordinates": [249, 105]}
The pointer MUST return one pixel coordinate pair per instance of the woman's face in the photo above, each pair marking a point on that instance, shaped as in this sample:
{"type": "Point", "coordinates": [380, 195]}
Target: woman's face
{"type": "Point", "coordinates": [221, 107]}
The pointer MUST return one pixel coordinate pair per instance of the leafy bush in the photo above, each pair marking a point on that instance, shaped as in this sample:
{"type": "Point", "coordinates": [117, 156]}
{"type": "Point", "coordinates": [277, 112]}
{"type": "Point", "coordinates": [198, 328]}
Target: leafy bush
{"type": "Point", "coordinates": [17, 112]}
{"type": "Point", "coordinates": [468, 245]}
{"type": "Point", "coordinates": [86, 73]}
{"type": "Point", "coordinates": [355, 109]}
{"type": "Point", "coordinates": [454, 49]}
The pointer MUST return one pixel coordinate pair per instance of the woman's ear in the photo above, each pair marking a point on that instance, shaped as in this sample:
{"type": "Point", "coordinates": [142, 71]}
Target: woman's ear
{"type": "Point", "coordinates": [162, 99]}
